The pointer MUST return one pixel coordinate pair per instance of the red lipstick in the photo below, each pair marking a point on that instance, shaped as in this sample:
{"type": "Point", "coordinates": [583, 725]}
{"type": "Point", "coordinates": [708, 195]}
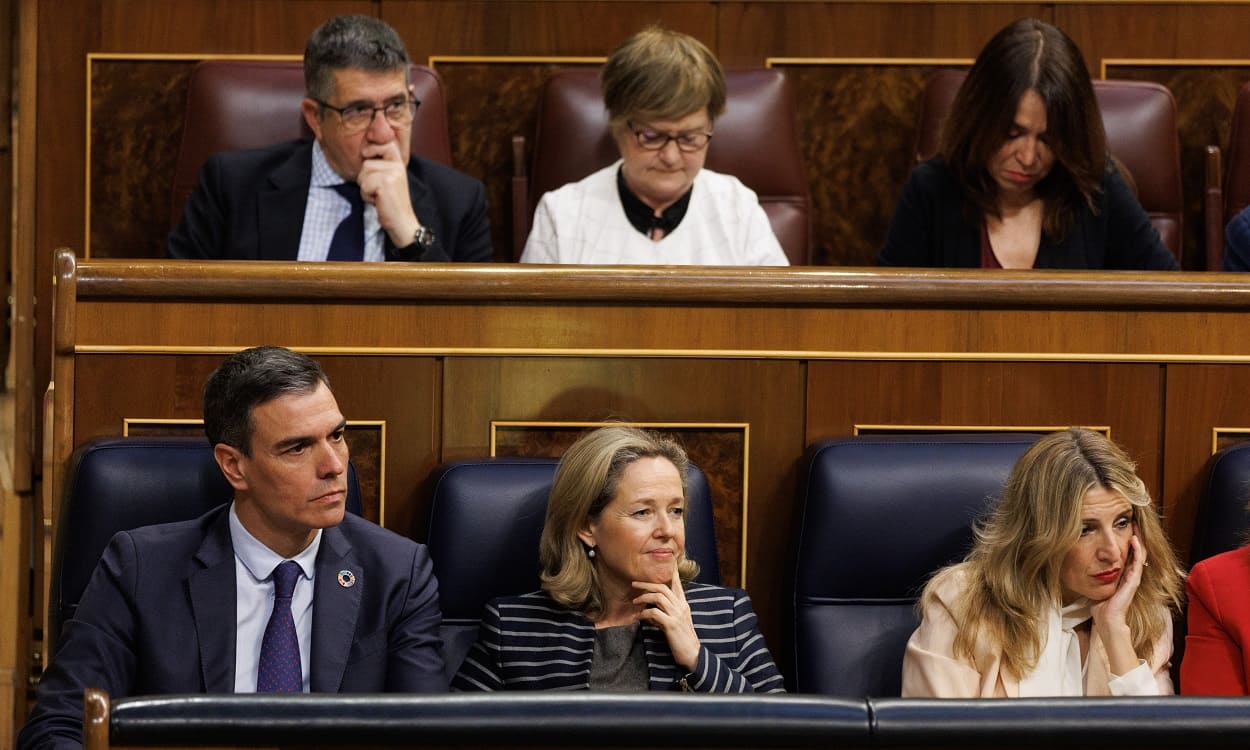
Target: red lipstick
{"type": "Point", "coordinates": [1109, 576]}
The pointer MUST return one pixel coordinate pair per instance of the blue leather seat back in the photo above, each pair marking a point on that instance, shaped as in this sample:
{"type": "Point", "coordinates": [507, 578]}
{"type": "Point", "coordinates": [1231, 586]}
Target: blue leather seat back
{"type": "Point", "coordinates": [878, 515]}
{"type": "Point", "coordinates": [486, 519]}
{"type": "Point", "coordinates": [1223, 520]}
{"type": "Point", "coordinates": [117, 484]}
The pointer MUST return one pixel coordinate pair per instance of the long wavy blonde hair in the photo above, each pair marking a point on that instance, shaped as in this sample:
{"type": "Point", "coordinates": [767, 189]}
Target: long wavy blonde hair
{"type": "Point", "coordinates": [1012, 572]}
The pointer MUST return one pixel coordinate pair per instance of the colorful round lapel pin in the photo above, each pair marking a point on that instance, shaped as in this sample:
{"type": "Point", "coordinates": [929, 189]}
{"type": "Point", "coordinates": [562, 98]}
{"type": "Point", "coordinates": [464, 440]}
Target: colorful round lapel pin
{"type": "Point", "coordinates": [347, 579]}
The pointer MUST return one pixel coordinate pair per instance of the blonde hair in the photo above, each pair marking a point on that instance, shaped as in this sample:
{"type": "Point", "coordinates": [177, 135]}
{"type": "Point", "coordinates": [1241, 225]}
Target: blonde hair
{"type": "Point", "coordinates": [1013, 571]}
{"type": "Point", "coordinates": [658, 74]}
{"type": "Point", "coordinates": [586, 481]}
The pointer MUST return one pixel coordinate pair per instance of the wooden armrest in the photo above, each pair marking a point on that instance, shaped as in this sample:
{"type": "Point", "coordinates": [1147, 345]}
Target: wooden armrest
{"type": "Point", "coordinates": [520, 198]}
{"type": "Point", "coordinates": [1213, 208]}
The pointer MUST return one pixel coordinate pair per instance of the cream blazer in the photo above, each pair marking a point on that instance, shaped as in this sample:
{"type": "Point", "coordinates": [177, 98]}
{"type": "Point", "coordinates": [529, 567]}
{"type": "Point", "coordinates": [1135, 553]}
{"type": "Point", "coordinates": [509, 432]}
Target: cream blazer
{"type": "Point", "coordinates": [930, 669]}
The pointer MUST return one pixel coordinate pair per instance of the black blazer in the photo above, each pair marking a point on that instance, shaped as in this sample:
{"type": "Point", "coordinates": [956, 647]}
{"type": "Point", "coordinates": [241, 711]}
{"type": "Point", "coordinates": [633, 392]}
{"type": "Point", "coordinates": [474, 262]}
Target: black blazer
{"type": "Point", "coordinates": [158, 617]}
{"type": "Point", "coordinates": [249, 205]}
{"type": "Point", "coordinates": [929, 229]}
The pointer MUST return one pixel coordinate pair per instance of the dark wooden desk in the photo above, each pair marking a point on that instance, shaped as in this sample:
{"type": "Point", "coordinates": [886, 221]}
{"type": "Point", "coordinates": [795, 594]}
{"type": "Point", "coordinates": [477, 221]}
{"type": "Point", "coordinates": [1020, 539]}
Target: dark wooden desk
{"type": "Point", "coordinates": [748, 367]}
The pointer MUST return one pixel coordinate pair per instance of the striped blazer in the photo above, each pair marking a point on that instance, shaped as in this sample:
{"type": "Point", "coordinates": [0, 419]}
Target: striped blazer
{"type": "Point", "coordinates": [531, 643]}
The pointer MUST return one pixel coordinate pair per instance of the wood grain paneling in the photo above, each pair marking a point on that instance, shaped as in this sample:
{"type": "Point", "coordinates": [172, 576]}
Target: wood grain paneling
{"type": "Point", "coordinates": [523, 27]}
{"type": "Point", "coordinates": [750, 32]}
{"type": "Point", "coordinates": [234, 26]}
{"type": "Point", "coordinates": [877, 108]}
{"type": "Point", "coordinates": [1179, 30]}
{"type": "Point", "coordinates": [1200, 399]}
{"type": "Point", "coordinates": [1127, 398]}
{"type": "Point", "coordinates": [133, 153]}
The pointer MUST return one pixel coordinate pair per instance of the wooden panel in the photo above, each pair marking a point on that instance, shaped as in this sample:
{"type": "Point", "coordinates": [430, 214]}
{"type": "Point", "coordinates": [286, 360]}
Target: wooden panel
{"type": "Point", "coordinates": [1127, 398]}
{"type": "Point", "coordinates": [751, 32]}
{"type": "Point", "coordinates": [133, 154]}
{"type": "Point", "coordinates": [1179, 30]}
{"type": "Point", "coordinates": [239, 26]}
{"type": "Point", "coordinates": [767, 396]}
{"type": "Point", "coordinates": [522, 27]}
{"type": "Point", "coordinates": [877, 107]}
{"type": "Point", "coordinates": [1200, 399]}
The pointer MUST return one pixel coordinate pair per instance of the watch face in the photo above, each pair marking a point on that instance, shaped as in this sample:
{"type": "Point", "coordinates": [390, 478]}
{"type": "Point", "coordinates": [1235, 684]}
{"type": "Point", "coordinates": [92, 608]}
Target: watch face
{"type": "Point", "coordinates": [424, 237]}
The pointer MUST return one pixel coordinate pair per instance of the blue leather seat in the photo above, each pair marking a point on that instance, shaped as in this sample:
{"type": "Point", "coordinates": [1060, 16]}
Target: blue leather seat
{"type": "Point", "coordinates": [1222, 519]}
{"type": "Point", "coordinates": [116, 484]}
{"type": "Point", "coordinates": [486, 518]}
{"type": "Point", "coordinates": [878, 515]}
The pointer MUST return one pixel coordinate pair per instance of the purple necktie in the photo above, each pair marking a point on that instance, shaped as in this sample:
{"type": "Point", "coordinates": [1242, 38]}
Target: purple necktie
{"type": "Point", "coordinates": [279, 670]}
{"type": "Point", "coordinates": [348, 242]}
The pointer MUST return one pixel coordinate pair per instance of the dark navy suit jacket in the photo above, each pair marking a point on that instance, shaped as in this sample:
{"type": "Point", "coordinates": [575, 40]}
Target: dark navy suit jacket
{"type": "Point", "coordinates": [249, 205]}
{"type": "Point", "coordinates": [159, 617]}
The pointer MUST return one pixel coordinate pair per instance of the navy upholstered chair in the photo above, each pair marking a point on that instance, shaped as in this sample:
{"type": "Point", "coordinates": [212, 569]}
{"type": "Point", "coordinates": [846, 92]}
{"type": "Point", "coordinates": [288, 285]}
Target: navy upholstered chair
{"type": "Point", "coordinates": [878, 515]}
{"type": "Point", "coordinates": [486, 518]}
{"type": "Point", "coordinates": [117, 484]}
{"type": "Point", "coordinates": [1222, 519]}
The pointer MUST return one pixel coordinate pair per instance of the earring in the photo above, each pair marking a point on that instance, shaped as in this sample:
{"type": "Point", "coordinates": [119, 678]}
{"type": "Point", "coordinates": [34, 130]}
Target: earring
{"type": "Point", "coordinates": [590, 552]}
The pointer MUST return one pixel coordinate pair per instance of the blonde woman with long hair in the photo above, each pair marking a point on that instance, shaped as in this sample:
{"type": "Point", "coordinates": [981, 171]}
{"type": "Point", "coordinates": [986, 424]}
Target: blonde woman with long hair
{"type": "Point", "coordinates": [1068, 590]}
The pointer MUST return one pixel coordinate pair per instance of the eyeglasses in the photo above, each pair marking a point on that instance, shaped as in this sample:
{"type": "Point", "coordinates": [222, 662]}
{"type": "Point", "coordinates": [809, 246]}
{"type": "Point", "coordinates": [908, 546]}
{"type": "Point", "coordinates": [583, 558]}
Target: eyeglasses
{"type": "Point", "coordinates": [654, 140]}
{"type": "Point", "coordinates": [357, 117]}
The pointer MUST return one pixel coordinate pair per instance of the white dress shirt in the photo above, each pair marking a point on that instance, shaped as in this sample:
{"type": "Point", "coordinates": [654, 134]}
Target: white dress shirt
{"type": "Point", "coordinates": [326, 209]}
{"type": "Point", "coordinates": [253, 583]}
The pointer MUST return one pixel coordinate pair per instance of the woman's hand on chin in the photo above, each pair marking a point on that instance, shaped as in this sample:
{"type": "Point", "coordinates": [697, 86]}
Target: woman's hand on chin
{"type": "Point", "coordinates": [1110, 615]}
{"type": "Point", "coordinates": [664, 606]}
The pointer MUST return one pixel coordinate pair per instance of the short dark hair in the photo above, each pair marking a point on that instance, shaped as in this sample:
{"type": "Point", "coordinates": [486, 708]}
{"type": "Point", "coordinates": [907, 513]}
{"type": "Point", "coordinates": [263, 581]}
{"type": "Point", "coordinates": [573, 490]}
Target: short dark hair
{"type": "Point", "coordinates": [1028, 55]}
{"type": "Point", "coordinates": [248, 379]}
{"type": "Point", "coordinates": [357, 42]}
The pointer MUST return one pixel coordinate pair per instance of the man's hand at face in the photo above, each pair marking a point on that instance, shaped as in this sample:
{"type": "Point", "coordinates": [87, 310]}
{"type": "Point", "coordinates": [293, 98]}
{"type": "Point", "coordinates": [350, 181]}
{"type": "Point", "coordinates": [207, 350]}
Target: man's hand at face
{"type": "Point", "coordinates": [383, 181]}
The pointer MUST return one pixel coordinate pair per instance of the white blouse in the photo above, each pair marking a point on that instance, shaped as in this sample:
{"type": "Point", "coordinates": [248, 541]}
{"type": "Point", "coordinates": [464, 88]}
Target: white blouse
{"type": "Point", "coordinates": [1060, 671]}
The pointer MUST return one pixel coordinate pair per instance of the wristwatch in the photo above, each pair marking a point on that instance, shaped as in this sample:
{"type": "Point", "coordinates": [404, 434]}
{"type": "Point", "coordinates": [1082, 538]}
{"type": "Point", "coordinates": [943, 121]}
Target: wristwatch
{"type": "Point", "coordinates": [423, 237]}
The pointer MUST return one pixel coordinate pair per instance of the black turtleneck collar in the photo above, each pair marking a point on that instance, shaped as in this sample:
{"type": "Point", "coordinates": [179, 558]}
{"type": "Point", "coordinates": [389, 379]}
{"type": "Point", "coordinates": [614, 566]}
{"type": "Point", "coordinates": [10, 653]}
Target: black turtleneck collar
{"type": "Point", "coordinates": [642, 217]}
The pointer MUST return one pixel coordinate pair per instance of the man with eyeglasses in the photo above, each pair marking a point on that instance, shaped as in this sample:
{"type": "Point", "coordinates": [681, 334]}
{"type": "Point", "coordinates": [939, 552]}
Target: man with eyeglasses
{"type": "Point", "coordinates": [354, 192]}
{"type": "Point", "coordinates": [657, 205]}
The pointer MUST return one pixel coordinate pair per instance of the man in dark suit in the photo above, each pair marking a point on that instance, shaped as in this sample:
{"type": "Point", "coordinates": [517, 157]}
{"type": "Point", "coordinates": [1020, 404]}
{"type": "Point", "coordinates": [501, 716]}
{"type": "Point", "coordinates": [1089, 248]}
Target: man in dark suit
{"type": "Point", "coordinates": [353, 193]}
{"type": "Point", "coordinates": [198, 606]}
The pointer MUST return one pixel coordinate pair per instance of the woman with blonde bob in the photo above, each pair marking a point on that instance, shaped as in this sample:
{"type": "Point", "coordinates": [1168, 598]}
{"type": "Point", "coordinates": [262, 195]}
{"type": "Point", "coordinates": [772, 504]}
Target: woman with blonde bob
{"type": "Point", "coordinates": [663, 91]}
{"type": "Point", "coordinates": [1067, 589]}
{"type": "Point", "coordinates": [618, 609]}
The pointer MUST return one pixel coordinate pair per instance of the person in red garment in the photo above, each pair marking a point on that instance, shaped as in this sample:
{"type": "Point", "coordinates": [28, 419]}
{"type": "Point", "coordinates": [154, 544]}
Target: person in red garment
{"type": "Point", "coordinates": [1216, 660]}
